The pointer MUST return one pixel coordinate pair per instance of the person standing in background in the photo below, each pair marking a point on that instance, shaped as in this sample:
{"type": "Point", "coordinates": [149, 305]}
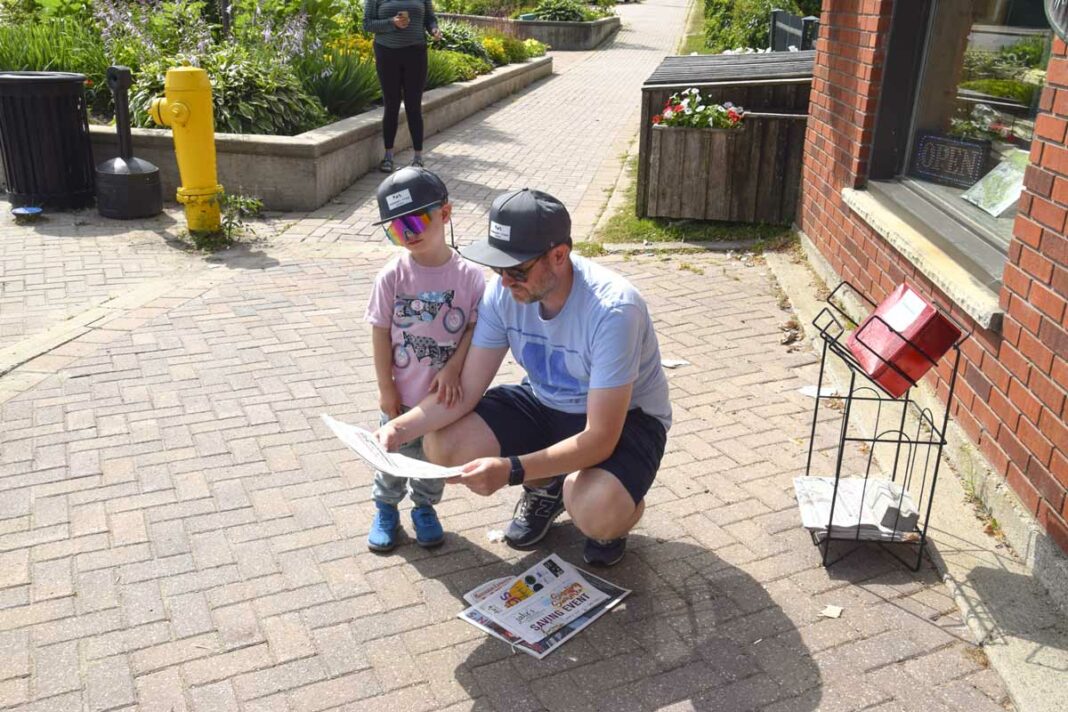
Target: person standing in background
{"type": "Point", "coordinates": [400, 28]}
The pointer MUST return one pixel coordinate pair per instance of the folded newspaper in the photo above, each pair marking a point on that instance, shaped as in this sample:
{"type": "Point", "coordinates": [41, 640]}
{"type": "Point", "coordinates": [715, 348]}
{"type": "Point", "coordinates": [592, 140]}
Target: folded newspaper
{"type": "Point", "coordinates": [541, 609]}
{"type": "Point", "coordinates": [874, 509]}
{"type": "Point", "coordinates": [364, 444]}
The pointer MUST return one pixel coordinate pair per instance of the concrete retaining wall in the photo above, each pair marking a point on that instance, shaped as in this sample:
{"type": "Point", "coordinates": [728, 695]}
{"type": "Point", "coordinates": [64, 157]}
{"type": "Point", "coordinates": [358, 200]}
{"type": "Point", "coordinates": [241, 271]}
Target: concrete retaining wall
{"type": "Point", "coordinates": [558, 35]}
{"type": "Point", "coordinates": [303, 172]}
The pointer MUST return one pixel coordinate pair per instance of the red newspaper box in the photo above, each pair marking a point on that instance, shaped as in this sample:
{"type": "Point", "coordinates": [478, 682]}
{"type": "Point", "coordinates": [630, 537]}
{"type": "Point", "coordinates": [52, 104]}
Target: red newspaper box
{"type": "Point", "coordinates": [905, 336]}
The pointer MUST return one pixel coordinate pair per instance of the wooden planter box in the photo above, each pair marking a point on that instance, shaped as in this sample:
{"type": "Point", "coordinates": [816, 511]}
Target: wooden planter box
{"type": "Point", "coordinates": [752, 174]}
{"type": "Point", "coordinates": [736, 175]}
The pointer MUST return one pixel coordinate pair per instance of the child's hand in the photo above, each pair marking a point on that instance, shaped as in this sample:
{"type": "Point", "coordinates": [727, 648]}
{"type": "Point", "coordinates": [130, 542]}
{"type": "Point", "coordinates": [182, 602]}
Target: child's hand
{"type": "Point", "coordinates": [390, 437]}
{"type": "Point", "coordinates": [447, 385]}
{"type": "Point", "coordinates": [389, 401]}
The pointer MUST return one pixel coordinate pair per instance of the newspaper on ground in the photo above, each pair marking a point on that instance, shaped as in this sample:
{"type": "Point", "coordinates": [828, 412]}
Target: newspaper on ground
{"type": "Point", "coordinates": [541, 609]}
{"type": "Point", "coordinates": [879, 510]}
{"type": "Point", "coordinates": [364, 444]}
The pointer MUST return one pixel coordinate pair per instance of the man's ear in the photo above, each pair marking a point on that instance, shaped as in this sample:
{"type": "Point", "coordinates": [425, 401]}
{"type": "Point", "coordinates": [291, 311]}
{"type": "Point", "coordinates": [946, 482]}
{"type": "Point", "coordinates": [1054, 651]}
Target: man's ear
{"type": "Point", "coordinates": [559, 256]}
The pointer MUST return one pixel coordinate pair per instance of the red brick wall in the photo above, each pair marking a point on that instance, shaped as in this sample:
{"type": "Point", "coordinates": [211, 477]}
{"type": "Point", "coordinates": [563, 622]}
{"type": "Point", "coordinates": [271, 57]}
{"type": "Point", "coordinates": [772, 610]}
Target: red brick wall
{"type": "Point", "coordinates": [1010, 397]}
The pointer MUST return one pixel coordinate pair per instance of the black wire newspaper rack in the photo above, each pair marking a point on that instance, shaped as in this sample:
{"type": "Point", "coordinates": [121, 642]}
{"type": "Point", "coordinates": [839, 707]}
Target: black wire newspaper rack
{"type": "Point", "coordinates": [889, 502]}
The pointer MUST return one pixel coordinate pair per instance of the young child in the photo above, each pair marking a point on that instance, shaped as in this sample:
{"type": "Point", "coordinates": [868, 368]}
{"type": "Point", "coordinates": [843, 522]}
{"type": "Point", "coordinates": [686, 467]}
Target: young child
{"type": "Point", "coordinates": [422, 312]}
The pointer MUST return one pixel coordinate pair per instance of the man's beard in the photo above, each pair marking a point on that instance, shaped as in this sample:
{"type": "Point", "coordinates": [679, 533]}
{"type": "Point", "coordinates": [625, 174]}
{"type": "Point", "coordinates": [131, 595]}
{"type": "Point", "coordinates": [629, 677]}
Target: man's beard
{"type": "Point", "coordinates": [530, 296]}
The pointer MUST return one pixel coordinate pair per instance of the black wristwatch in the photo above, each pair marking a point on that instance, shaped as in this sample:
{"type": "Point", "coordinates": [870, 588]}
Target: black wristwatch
{"type": "Point", "coordinates": [515, 476]}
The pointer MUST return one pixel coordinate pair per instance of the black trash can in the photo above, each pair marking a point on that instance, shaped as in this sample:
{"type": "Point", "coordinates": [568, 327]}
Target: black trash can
{"type": "Point", "coordinates": [44, 139]}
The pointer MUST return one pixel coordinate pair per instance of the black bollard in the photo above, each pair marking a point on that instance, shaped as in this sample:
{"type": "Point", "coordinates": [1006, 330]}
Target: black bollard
{"type": "Point", "coordinates": [126, 187]}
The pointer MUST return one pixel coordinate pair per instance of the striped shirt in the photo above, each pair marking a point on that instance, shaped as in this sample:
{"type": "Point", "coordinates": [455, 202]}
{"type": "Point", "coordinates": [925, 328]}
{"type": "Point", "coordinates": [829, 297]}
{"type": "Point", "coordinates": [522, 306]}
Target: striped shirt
{"type": "Point", "coordinates": [378, 18]}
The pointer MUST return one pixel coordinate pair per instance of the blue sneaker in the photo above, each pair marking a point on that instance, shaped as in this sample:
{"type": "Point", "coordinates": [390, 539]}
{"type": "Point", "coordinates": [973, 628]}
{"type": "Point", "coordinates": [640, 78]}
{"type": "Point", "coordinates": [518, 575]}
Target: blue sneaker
{"type": "Point", "coordinates": [428, 531]}
{"type": "Point", "coordinates": [384, 528]}
{"type": "Point", "coordinates": [604, 552]}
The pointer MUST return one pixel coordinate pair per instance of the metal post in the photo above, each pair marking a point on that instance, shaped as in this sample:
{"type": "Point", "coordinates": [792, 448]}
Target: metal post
{"type": "Point", "coordinates": [775, 14]}
{"type": "Point", "coordinates": [810, 30]}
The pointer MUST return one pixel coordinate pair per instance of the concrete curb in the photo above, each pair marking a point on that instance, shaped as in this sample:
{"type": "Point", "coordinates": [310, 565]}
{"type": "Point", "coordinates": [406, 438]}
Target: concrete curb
{"type": "Point", "coordinates": [636, 247]}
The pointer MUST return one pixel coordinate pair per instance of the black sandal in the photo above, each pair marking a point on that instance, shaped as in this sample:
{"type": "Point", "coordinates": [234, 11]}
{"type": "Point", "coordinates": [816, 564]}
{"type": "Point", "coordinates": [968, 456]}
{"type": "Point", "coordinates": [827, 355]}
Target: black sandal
{"type": "Point", "coordinates": [386, 166]}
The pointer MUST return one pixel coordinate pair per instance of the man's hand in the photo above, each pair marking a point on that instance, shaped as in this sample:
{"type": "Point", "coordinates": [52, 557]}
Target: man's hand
{"type": "Point", "coordinates": [484, 476]}
{"type": "Point", "coordinates": [389, 401]}
{"type": "Point", "coordinates": [446, 384]}
{"type": "Point", "coordinates": [400, 21]}
{"type": "Point", "coordinates": [436, 34]}
{"type": "Point", "coordinates": [390, 437]}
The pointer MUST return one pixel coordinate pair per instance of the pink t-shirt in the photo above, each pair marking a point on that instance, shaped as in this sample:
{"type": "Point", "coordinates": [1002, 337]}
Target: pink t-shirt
{"type": "Point", "coordinates": [426, 310]}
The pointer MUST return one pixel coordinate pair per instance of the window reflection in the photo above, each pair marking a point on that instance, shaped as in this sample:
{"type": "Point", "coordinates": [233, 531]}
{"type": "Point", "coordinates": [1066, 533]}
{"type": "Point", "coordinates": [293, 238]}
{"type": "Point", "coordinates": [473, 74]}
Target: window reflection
{"type": "Point", "coordinates": [974, 118]}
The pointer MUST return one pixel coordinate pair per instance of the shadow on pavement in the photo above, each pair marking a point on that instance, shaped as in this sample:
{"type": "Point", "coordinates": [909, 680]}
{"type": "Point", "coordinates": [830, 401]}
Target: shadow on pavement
{"type": "Point", "coordinates": [1009, 609]}
{"type": "Point", "coordinates": [694, 629]}
{"type": "Point", "coordinates": [242, 256]}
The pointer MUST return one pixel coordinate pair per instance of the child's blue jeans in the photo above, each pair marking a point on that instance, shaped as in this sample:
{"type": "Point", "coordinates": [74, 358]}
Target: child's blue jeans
{"type": "Point", "coordinates": [390, 490]}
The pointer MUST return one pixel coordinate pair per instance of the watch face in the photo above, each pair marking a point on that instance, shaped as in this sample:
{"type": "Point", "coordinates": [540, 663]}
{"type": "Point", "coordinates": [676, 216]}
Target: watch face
{"type": "Point", "coordinates": [1057, 12]}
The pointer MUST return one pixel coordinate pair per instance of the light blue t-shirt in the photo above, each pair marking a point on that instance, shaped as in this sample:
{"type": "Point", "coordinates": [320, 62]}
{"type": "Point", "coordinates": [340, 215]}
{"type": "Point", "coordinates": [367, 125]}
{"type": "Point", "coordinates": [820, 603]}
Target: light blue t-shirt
{"type": "Point", "coordinates": [602, 338]}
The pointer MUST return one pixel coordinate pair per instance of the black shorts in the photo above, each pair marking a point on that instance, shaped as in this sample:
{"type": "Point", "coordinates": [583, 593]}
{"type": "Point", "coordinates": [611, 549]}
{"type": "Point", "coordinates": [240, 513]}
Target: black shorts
{"type": "Point", "coordinates": [523, 425]}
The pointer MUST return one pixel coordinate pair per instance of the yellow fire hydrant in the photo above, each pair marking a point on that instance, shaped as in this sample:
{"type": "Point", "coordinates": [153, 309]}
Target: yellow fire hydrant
{"type": "Point", "coordinates": [186, 109]}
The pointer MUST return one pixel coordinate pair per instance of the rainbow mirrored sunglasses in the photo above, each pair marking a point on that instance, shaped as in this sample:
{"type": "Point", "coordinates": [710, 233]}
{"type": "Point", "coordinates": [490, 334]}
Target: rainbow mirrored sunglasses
{"type": "Point", "coordinates": [404, 229]}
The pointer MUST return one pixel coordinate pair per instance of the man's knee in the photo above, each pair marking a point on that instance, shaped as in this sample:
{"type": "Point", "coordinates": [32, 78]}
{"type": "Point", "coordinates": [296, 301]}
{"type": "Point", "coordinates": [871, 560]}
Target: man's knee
{"type": "Point", "coordinates": [461, 442]}
{"type": "Point", "coordinates": [599, 504]}
{"type": "Point", "coordinates": [441, 449]}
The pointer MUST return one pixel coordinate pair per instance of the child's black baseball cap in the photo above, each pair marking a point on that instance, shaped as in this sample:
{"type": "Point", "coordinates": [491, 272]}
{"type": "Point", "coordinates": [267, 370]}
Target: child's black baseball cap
{"type": "Point", "coordinates": [409, 190]}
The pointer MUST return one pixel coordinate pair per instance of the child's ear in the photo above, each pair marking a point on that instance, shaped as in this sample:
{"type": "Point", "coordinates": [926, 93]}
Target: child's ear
{"type": "Point", "coordinates": [446, 212]}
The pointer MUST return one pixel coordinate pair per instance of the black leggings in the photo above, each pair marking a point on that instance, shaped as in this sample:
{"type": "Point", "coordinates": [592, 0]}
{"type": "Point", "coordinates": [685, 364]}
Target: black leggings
{"type": "Point", "coordinates": [402, 74]}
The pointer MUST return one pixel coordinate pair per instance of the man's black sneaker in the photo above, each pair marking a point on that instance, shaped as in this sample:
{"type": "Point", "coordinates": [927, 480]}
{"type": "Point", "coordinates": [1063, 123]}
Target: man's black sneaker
{"type": "Point", "coordinates": [535, 512]}
{"type": "Point", "coordinates": [604, 552]}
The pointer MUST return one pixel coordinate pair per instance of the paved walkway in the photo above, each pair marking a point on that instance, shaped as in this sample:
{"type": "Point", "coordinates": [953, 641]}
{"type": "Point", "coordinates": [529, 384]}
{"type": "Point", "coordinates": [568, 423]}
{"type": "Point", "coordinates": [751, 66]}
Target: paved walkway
{"type": "Point", "coordinates": [179, 532]}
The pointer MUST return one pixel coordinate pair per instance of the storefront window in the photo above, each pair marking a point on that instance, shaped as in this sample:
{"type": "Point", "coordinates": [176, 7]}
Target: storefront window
{"type": "Point", "coordinates": [977, 83]}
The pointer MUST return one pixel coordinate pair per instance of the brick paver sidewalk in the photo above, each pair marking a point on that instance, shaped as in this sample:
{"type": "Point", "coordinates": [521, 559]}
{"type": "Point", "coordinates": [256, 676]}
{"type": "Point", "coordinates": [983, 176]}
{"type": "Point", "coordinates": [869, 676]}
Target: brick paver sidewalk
{"type": "Point", "coordinates": [178, 531]}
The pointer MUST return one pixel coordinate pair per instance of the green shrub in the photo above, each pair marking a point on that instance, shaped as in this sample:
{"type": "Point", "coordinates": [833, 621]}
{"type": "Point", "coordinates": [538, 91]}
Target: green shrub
{"type": "Point", "coordinates": [469, 64]}
{"type": "Point", "coordinates": [534, 48]}
{"type": "Point", "coordinates": [515, 49]}
{"type": "Point", "coordinates": [441, 69]}
{"type": "Point", "coordinates": [495, 49]}
{"type": "Point", "coordinates": [252, 92]}
{"type": "Point", "coordinates": [1018, 91]}
{"type": "Point", "coordinates": [462, 37]}
{"type": "Point", "coordinates": [490, 8]}
{"type": "Point", "coordinates": [1027, 53]}
{"type": "Point", "coordinates": [561, 11]}
{"type": "Point", "coordinates": [1007, 63]}
{"type": "Point", "coordinates": [345, 83]}
{"type": "Point", "coordinates": [59, 45]}
{"type": "Point", "coordinates": [730, 24]}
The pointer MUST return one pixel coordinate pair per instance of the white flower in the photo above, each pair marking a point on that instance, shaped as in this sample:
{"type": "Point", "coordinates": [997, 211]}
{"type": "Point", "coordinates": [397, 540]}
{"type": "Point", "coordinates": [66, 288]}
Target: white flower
{"type": "Point", "coordinates": [668, 113]}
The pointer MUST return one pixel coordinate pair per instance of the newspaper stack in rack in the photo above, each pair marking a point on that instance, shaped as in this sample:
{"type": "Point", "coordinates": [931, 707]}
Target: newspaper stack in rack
{"type": "Point", "coordinates": [543, 607]}
{"type": "Point", "coordinates": [877, 509]}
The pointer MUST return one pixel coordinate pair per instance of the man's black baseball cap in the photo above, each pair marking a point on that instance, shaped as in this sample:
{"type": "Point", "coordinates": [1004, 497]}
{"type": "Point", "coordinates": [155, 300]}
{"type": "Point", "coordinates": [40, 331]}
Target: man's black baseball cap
{"type": "Point", "coordinates": [522, 225]}
{"type": "Point", "coordinates": [409, 190]}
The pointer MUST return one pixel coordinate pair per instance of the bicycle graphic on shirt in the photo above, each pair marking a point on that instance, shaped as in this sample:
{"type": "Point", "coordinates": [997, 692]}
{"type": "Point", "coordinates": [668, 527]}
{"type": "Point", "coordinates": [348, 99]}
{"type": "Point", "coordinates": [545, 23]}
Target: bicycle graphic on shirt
{"type": "Point", "coordinates": [424, 347]}
{"type": "Point", "coordinates": [407, 310]}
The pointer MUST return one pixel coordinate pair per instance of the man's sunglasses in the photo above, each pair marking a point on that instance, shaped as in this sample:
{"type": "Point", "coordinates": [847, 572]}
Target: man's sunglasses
{"type": "Point", "coordinates": [521, 273]}
{"type": "Point", "coordinates": [402, 230]}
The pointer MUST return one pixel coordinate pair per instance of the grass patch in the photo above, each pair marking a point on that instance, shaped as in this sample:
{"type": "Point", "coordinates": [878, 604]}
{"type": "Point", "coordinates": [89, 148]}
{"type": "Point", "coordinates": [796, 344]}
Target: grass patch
{"type": "Point", "coordinates": [694, 39]}
{"type": "Point", "coordinates": [590, 249]}
{"type": "Point", "coordinates": [625, 226]}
